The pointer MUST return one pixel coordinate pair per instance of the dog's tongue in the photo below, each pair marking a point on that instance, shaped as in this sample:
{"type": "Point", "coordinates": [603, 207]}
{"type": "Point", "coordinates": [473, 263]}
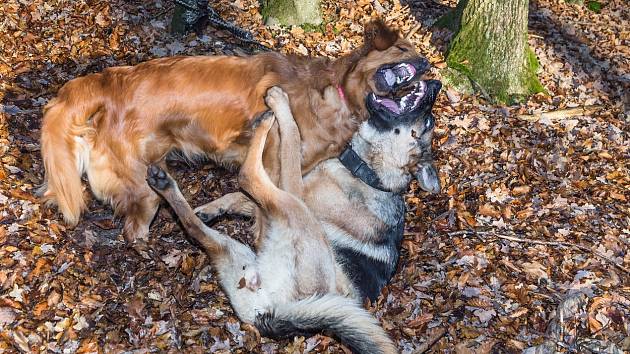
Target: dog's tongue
{"type": "Point", "coordinates": [391, 105]}
{"type": "Point", "coordinates": [390, 77]}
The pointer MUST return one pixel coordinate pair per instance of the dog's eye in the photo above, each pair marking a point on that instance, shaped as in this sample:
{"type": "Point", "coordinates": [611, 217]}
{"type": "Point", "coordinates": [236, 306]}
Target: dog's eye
{"type": "Point", "coordinates": [396, 131]}
{"type": "Point", "coordinates": [414, 134]}
{"type": "Point", "coordinates": [402, 49]}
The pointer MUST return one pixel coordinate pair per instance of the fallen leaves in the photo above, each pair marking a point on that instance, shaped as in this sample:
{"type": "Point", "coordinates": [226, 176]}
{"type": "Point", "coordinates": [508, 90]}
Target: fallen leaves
{"type": "Point", "coordinates": [545, 179]}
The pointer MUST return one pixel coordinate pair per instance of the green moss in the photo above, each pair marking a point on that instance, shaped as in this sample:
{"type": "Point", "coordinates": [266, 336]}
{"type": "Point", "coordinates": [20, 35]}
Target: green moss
{"type": "Point", "coordinates": [467, 79]}
{"type": "Point", "coordinates": [308, 27]}
{"type": "Point", "coordinates": [178, 25]}
{"type": "Point", "coordinates": [594, 6]}
{"type": "Point", "coordinates": [457, 80]}
{"type": "Point", "coordinates": [280, 11]}
{"type": "Point", "coordinates": [452, 19]}
{"type": "Point", "coordinates": [531, 78]}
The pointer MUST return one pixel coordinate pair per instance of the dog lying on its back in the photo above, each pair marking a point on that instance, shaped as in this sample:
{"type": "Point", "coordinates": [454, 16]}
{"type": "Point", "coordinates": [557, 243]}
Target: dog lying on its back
{"type": "Point", "coordinates": [358, 196]}
{"type": "Point", "coordinates": [292, 285]}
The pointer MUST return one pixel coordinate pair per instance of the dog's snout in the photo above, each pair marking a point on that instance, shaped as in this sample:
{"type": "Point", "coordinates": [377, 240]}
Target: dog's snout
{"type": "Point", "coordinates": [423, 65]}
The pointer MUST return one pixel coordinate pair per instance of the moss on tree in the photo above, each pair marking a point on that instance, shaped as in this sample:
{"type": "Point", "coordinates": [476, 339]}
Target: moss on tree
{"type": "Point", "coordinates": [490, 48]}
{"type": "Point", "coordinates": [291, 12]}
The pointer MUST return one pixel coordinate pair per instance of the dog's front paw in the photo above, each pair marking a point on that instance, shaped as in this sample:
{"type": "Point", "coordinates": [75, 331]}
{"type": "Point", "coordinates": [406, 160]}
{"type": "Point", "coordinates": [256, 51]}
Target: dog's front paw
{"type": "Point", "coordinates": [276, 98]}
{"type": "Point", "coordinates": [158, 178]}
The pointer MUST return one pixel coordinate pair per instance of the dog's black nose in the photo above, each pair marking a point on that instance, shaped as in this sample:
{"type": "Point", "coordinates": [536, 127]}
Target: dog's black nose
{"type": "Point", "coordinates": [422, 65]}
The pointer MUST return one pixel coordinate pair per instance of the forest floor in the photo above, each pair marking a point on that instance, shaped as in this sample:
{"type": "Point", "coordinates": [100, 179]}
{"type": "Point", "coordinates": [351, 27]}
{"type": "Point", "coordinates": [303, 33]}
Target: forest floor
{"type": "Point", "coordinates": [526, 246]}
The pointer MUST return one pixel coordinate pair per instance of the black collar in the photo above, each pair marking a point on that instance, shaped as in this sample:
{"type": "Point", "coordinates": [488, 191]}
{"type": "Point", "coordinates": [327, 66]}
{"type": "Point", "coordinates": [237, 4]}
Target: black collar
{"type": "Point", "coordinates": [360, 169]}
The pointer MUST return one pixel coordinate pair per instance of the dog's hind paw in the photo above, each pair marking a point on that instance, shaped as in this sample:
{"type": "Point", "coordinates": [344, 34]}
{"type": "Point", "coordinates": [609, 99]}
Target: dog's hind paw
{"type": "Point", "coordinates": [208, 217]}
{"type": "Point", "coordinates": [276, 98]}
{"type": "Point", "coordinates": [158, 178]}
{"type": "Point", "coordinates": [264, 119]}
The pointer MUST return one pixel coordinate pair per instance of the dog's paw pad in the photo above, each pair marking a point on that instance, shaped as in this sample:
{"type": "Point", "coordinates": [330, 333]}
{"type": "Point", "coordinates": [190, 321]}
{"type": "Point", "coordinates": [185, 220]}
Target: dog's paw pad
{"type": "Point", "coordinates": [205, 217]}
{"type": "Point", "coordinates": [276, 96]}
{"type": "Point", "coordinates": [158, 178]}
{"type": "Point", "coordinates": [265, 119]}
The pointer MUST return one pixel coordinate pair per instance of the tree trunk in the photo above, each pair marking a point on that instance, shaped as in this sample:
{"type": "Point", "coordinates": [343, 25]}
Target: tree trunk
{"type": "Point", "coordinates": [189, 15]}
{"type": "Point", "coordinates": [291, 12]}
{"type": "Point", "coordinates": [490, 47]}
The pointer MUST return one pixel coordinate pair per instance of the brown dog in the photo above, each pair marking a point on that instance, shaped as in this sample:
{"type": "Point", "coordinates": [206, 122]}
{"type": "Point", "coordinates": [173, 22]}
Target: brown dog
{"type": "Point", "coordinates": [111, 125]}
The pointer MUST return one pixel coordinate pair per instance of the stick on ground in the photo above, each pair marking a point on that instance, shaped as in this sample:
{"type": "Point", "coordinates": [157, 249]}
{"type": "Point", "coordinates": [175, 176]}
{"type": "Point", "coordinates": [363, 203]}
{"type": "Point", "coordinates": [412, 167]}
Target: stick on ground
{"type": "Point", "coordinates": [560, 114]}
{"type": "Point", "coordinates": [540, 242]}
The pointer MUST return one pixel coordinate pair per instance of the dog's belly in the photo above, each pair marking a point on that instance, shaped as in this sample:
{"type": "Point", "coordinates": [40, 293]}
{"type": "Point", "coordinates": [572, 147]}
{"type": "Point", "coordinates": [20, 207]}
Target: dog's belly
{"type": "Point", "coordinates": [364, 226]}
{"type": "Point", "coordinates": [368, 265]}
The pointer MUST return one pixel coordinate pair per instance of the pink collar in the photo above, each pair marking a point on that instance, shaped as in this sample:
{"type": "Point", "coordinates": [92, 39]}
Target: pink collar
{"type": "Point", "coordinates": [341, 93]}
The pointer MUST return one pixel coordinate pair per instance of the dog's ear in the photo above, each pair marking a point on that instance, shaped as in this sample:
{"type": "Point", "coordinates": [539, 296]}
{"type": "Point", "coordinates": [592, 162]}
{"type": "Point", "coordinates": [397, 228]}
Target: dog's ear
{"type": "Point", "coordinates": [379, 36]}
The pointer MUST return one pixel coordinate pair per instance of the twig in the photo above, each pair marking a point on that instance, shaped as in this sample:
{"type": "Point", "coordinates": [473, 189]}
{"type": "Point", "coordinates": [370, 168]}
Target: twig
{"type": "Point", "coordinates": [560, 114]}
{"type": "Point", "coordinates": [535, 36]}
{"type": "Point", "coordinates": [540, 242]}
{"type": "Point", "coordinates": [439, 333]}
{"type": "Point", "coordinates": [413, 31]}
{"type": "Point", "coordinates": [483, 92]}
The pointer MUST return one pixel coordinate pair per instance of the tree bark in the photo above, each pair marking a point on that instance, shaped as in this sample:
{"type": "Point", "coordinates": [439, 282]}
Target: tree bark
{"type": "Point", "coordinates": [490, 47]}
{"type": "Point", "coordinates": [291, 12]}
{"type": "Point", "coordinates": [189, 15]}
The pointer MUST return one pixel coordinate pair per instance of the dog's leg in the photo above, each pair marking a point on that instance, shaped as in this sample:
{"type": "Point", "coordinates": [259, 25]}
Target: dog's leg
{"type": "Point", "coordinates": [139, 208]}
{"type": "Point", "coordinates": [290, 144]}
{"type": "Point", "coordinates": [211, 240]}
{"type": "Point", "coordinates": [235, 262]}
{"type": "Point", "coordinates": [232, 204]}
{"type": "Point", "coordinates": [252, 177]}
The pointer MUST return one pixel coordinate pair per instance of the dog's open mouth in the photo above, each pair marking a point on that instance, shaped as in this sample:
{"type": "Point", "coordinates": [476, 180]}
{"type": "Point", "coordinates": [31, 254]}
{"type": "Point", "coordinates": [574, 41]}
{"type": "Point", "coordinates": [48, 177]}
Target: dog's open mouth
{"type": "Point", "coordinates": [390, 78]}
{"type": "Point", "coordinates": [399, 74]}
{"type": "Point", "coordinates": [406, 102]}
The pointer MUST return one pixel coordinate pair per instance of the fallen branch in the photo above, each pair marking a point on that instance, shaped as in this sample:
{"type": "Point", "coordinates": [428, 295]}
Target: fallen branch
{"type": "Point", "coordinates": [439, 333]}
{"type": "Point", "coordinates": [560, 114]}
{"type": "Point", "coordinates": [540, 242]}
{"type": "Point", "coordinates": [413, 31]}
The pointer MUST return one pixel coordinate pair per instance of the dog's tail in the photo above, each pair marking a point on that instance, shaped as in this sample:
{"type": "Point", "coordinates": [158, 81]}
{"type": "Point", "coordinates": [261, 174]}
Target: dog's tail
{"type": "Point", "coordinates": [64, 144]}
{"type": "Point", "coordinates": [334, 315]}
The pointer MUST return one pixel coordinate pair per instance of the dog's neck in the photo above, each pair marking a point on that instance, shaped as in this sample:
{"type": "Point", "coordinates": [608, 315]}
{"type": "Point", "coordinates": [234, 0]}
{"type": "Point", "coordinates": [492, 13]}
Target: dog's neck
{"type": "Point", "coordinates": [360, 169]}
{"type": "Point", "coordinates": [392, 178]}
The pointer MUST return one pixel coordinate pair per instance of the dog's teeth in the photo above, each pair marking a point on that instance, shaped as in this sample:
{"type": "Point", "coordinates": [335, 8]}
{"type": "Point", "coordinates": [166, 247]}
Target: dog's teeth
{"type": "Point", "coordinates": [411, 70]}
{"type": "Point", "coordinates": [423, 86]}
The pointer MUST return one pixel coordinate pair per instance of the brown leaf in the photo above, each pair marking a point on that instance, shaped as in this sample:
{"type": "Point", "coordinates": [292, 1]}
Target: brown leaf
{"type": "Point", "coordinates": [489, 210]}
{"type": "Point", "coordinates": [520, 190]}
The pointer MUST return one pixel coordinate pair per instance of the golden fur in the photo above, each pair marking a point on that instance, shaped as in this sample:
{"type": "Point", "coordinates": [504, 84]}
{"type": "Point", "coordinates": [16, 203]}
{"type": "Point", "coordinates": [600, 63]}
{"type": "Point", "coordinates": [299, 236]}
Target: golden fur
{"type": "Point", "coordinates": [111, 125]}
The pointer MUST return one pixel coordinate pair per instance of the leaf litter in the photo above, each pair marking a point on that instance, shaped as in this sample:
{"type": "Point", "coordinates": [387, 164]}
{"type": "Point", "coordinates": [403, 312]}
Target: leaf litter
{"type": "Point", "coordinates": [487, 265]}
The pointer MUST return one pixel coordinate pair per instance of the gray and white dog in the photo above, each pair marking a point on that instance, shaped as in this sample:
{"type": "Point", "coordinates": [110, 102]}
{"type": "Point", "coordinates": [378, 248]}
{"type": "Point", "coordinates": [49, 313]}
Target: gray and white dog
{"type": "Point", "coordinates": [358, 197]}
{"type": "Point", "coordinates": [328, 239]}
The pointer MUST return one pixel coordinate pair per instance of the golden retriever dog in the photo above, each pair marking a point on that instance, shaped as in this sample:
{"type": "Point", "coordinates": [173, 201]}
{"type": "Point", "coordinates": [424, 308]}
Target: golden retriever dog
{"type": "Point", "coordinates": [292, 284]}
{"type": "Point", "coordinates": [111, 125]}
